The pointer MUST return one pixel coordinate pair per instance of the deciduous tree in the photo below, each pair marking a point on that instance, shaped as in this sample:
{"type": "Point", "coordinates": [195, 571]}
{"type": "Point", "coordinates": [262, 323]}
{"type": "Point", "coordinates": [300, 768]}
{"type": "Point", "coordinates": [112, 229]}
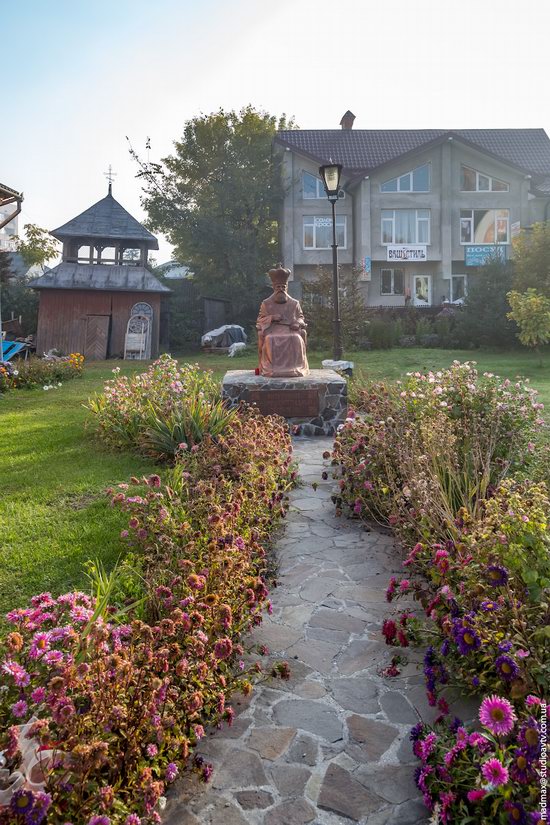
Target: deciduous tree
{"type": "Point", "coordinates": [216, 198]}
{"type": "Point", "coordinates": [532, 259]}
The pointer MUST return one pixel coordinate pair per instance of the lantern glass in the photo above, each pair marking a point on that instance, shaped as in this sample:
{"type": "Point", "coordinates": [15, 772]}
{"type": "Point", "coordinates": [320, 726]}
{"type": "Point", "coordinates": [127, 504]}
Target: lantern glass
{"type": "Point", "coordinates": [330, 175]}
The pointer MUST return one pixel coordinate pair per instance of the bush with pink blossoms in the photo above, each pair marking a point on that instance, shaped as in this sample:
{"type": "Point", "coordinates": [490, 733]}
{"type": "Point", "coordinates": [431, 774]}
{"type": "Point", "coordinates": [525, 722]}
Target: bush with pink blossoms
{"type": "Point", "coordinates": [117, 694]}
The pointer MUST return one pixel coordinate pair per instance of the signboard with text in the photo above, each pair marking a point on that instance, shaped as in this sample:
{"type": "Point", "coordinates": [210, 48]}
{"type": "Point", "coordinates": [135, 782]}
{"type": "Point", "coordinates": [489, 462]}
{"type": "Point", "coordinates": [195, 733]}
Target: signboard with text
{"type": "Point", "coordinates": [481, 255]}
{"type": "Point", "coordinates": [407, 252]}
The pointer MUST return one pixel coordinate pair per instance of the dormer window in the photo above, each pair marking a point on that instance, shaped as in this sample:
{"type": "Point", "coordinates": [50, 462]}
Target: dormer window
{"type": "Point", "coordinates": [417, 180]}
{"type": "Point", "coordinates": [314, 189]}
{"type": "Point", "coordinates": [473, 181]}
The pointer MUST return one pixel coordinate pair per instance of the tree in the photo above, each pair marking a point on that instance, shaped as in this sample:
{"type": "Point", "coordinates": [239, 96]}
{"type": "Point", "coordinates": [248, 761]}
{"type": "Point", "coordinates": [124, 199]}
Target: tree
{"type": "Point", "coordinates": [531, 312]}
{"type": "Point", "coordinates": [38, 246]}
{"type": "Point", "coordinates": [217, 199]}
{"type": "Point", "coordinates": [317, 304]}
{"type": "Point", "coordinates": [532, 259]}
{"type": "Point", "coordinates": [484, 320]}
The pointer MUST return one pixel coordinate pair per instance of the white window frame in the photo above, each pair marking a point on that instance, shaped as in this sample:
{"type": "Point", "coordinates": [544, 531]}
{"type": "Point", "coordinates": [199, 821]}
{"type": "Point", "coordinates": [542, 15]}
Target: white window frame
{"type": "Point", "coordinates": [409, 174]}
{"type": "Point", "coordinates": [392, 272]}
{"type": "Point", "coordinates": [310, 219]}
{"type": "Point", "coordinates": [417, 221]}
{"type": "Point", "coordinates": [483, 175]}
{"type": "Point", "coordinates": [320, 190]}
{"type": "Point", "coordinates": [470, 220]}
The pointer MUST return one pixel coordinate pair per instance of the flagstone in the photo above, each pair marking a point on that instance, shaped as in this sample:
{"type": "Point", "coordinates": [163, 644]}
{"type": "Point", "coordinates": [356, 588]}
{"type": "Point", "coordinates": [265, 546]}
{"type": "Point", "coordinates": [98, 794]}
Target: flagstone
{"type": "Point", "coordinates": [315, 717]}
{"type": "Point", "coordinates": [343, 794]}
{"type": "Point", "coordinates": [271, 742]}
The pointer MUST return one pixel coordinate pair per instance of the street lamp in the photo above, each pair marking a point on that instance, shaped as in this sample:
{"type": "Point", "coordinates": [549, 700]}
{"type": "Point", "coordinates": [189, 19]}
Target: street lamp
{"type": "Point", "coordinates": [330, 175]}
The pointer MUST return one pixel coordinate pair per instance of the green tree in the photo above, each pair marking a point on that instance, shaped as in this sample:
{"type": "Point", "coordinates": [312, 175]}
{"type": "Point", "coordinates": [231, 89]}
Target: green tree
{"type": "Point", "coordinates": [317, 305]}
{"type": "Point", "coordinates": [531, 312]}
{"type": "Point", "coordinates": [532, 259]}
{"type": "Point", "coordinates": [217, 200]}
{"type": "Point", "coordinates": [484, 319]}
{"type": "Point", "coordinates": [37, 247]}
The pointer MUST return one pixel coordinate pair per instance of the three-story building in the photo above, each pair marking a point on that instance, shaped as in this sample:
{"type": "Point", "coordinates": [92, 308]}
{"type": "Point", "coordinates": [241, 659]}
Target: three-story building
{"type": "Point", "coordinates": [419, 211]}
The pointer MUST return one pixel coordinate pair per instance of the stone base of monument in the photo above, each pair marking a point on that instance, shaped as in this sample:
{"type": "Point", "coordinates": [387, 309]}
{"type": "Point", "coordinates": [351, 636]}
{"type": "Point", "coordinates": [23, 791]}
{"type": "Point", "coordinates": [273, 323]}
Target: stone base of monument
{"type": "Point", "coordinates": [314, 404]}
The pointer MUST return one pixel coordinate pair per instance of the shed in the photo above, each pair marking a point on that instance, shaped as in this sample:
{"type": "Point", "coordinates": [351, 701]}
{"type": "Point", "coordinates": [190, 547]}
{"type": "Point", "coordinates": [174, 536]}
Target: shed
{"type": "Point", "coordinates": [87, 300]}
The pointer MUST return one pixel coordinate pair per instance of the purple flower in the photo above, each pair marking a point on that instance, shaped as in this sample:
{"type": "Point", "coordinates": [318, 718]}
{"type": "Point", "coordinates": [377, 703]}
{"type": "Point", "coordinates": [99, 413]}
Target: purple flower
{"type": "Point", "coordinates": [133, 819]}
{"type": "Point", "coordinates": [489, 606]}
{"type": "Point", "coordinates": [171, 772]}
{"type": "Point", "coordinates": [520, 768]}
{"type": "Point", "coordinates": [506, 668]}
{"type": "Point", "coordinates": [152, 750]}
{"type": "Point", "coordinates": [19, 709]}
{"type": "Point", "coordinates": [467, 640]}
{"type": "Point", "coordinates": [17, 672]}
{"type": "Point", "coordinates": [504, 647]}
{"type": "Point", "coordinates": [99, 820]}
{"type": "Point", "coordinates": [516, 813]}
{"type": "Point", "coordinates": [496, 575]}
{"type": "Point", "coordinates": [22, 801]}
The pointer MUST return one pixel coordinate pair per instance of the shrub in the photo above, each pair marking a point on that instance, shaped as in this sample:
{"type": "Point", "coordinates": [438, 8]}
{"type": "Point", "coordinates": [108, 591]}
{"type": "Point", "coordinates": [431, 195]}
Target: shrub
{"type": "Point", "coordinates": [483, 321]}
{"type": "Point", "coordinates": [423, 449]}
{"type": "Point", "coordinates": [531, 312]}
{"type": "Point", "coordinates": [40, 372]}
{"type": "Point", "coordinates": [156, 411]}
{"type": "Point", "coordinates": [118, 698]}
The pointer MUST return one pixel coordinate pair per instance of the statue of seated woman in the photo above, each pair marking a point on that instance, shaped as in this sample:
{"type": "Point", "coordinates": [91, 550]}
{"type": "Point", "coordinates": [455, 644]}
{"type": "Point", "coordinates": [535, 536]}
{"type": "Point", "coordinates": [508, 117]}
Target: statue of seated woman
{"type": "Point", "coordinates": [281, 331]}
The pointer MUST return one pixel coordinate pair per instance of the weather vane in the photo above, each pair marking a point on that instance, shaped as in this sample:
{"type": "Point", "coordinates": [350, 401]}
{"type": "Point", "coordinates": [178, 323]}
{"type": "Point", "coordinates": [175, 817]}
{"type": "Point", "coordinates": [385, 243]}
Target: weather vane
{"type": "Point", "coordinates": [110, 175]}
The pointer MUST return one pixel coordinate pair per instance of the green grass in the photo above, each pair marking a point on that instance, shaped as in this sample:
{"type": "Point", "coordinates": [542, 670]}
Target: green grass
{"type": "Point", "coordinates": [54, 515]}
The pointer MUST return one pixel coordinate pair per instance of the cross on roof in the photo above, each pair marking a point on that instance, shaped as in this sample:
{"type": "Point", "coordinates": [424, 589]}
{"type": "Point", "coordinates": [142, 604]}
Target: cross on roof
{"type": "Point", "coordinates": [110, 175]}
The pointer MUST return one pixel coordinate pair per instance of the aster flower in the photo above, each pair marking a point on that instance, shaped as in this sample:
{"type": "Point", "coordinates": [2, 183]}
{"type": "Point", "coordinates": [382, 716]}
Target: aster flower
{"type": "Point", "coordinates": [520, 768]}
{"type": "Point", "coordinates": [494, 772]}
{"type": "Point", "coordinates": [497, 576]}
{"type": "Point", "coordinates": [467, 640]}
{"type": "Point", "coordinates": [19, 709]}
{"type": "Point", "coordinates": [133, 819]}
{"type": "Point", "coordinates": [17, 672]}
{"type": "Point", "coordinates": [22, 801]}
{"type": "Point", "coordinates": [497, 714]}
{"type": "Point", "coordinates": [507, 668]}
{"type": "Point", "coordinates": [171, 772]}
{"type": "Point", "coordinates": [489, 606]}
{"type": "Point", "coordinates": [516, 813]}
{"type": "Point", "coordinates": [99, 820]}
{"type": "Point", "coordinates": [476, 795]}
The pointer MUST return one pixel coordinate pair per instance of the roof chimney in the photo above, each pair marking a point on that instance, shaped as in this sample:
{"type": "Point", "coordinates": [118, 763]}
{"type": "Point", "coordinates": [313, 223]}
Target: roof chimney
{"type": "Point", "coordinates": [347, 120]}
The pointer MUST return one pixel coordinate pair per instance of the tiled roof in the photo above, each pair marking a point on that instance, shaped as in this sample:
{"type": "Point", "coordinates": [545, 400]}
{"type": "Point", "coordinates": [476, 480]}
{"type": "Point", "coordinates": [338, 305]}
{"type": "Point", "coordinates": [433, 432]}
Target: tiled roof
{"type": "Point", "coordinates": [366, 149]}
{"type": "Point", "coordinates": [116, 278]}
{"type": "Point", "coordinates": [106, 219]}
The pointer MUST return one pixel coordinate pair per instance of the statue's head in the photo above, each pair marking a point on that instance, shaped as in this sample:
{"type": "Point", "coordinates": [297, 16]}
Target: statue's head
{"type": "Point", "coordinates": [279, 280]}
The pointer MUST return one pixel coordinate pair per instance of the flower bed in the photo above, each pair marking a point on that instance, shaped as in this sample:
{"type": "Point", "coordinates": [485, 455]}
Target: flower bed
{"type": "Point", "coordinates": [40, 372]}
{"type": "Point", "coordinates": [158, 410]}
{"type": "Point", "coordinates": [119, 687]}
{"type": "Point", "coordinates": [445, 460]}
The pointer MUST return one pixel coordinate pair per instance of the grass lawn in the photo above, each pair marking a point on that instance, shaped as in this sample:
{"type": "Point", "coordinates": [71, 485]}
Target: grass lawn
{"type": "Point", "coordinates": [53, 471]}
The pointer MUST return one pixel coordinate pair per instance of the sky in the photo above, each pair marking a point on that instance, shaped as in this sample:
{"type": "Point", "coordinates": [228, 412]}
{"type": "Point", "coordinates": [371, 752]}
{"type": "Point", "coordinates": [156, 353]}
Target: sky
{"type": "Point", "coordinates": [80, 76]}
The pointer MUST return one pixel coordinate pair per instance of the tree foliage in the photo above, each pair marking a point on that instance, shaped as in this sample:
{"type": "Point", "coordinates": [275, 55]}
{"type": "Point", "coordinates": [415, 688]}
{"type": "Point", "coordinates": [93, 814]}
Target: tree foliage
{"type": "Point", "coordinates": [532, 259]}
{"type": "Point", "coordinates": [531, 312]}
{"type": "Point", "coordinates": [37, 247]}
{"type": "Point", "coordinates": [216, 198]}
{"type": "Point", "coordinates": [318, 302]}
{"type": "Point", "coordinates": [484, 320]}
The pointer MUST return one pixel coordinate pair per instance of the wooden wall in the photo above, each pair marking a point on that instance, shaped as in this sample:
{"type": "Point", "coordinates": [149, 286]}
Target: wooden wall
{"type": "Point", "coordinates": [62, 318]}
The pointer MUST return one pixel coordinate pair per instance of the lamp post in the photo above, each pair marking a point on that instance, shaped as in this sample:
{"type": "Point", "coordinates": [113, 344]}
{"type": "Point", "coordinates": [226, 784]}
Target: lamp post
{"type": "Point", "coordinates": [330, 175]}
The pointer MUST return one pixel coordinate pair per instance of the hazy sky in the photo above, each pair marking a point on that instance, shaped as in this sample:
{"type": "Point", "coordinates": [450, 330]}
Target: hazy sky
{"type": "Point", "coordinates": [80, 75]}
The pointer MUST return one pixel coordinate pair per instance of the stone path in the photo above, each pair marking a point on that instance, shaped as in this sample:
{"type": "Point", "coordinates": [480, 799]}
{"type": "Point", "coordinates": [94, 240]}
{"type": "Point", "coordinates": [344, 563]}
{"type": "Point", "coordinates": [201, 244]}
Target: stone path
{"type": "Point", "coordinates": [330, 745]}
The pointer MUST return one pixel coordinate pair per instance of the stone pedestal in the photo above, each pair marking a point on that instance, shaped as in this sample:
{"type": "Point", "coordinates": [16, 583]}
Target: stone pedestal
{"type": "Point", "coordinates": [314, 404]}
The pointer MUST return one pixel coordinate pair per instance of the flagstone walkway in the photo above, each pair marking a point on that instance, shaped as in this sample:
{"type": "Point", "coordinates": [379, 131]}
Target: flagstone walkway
{"type": "Point", "coordinates": [330, 746]}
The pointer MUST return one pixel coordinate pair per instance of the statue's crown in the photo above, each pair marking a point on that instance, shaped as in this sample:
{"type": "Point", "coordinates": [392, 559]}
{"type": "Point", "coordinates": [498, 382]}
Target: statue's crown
{"type": "Point", "coordinates": [279, 275]}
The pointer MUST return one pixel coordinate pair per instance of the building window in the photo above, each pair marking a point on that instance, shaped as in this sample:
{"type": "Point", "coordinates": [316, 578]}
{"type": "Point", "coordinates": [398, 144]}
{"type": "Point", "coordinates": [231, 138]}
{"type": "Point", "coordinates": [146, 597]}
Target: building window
{"type": "Point", "coordinates": [318, 232]}
{"type": "Point", "coordinates": [392, 282]}
{"type": "Point", "coordinates": [401, 226]}
{"type": "Point", "coordinates": [473, 181]}
{"type": "Point", "coordinates": [314, 189]}
{"type": "Point", "coordinates": [458, 287]}
{"type": "Point", "coordinates": [484, 226]}
{"type": "Point", "coordinates": [417, 180]}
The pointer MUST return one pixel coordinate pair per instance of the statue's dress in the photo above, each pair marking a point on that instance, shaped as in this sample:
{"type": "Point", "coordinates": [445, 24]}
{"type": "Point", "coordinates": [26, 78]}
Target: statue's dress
{"type": "Point", "coordinates": [283, 353]}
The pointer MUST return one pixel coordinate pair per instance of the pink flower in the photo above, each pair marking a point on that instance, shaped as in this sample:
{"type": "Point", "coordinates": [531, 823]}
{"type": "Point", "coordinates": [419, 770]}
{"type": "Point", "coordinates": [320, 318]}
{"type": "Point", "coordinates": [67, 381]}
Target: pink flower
{"type": "Point", "coordinates": [497, 714]}
{"type": "Point", "coordinates": [532, 701]}
{"type": "Point", "coordinates": [494, 772]}
{"type": "Point", "coordinates": [223, 648]}
{"type": "Point", "coordinates": [38, 695]}
{"type": "Point", "coordinates": [17, 672]}
{"type": "Point", "coordinates": [198, 730]}
{"type": "Point", "coordinates": [171, 772]}
{"type": "Point", "coordinates": [152, 750]}
{"type": "Point", "coordinates": [476, 796]}
{"type": "Point", "coordinates": [404, 585]}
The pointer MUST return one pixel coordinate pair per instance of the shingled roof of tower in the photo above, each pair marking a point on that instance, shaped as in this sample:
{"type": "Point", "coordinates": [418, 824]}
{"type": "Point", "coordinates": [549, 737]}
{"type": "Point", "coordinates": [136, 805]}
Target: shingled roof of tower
{"type": "Point", "coordinates": [106, 219]}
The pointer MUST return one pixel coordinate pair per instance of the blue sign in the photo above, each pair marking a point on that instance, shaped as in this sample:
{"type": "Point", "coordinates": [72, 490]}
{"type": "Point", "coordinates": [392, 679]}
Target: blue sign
{"type": "Point", "coordinates": [367, 265]}
{"type": "Point", "coordinates": [480, 255]}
